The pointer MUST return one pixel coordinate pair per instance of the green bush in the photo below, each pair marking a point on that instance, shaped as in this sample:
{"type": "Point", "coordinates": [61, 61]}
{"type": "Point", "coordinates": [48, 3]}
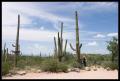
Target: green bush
{"type": "Point", "coordinates": [21, 64]}
{"type": "Point", "coordinates": [62, 67]}
{"type": "Point", "coordinates": [49, 65]}
{"type": "Point", "coordinates": [77, 65]}
{"type": "Point", "coordinates": [53, 66]}
{"type": "Point", "coordinates": [111, 65]}
{"type": "Point", "coordinates": [5, 68]}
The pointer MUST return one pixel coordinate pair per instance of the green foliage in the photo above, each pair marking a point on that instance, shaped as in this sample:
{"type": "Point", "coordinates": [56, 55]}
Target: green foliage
{"type": "Point", "coordinates": [62, 67]}
{"type": "Point", "coordinates": [113, 47]}
{"type": "Point", "coordinates": [5, 68]}
{"type": "Point", "coordinates": [53, 65]}
{"type": "Point", "coordinates": [111, 65]}
{"type": "Point", "coordinates": [49, 65]}
{"type": "Point", "coordinates": [76, 65]}
{"type": "Point", "coordinates": [97, 59]}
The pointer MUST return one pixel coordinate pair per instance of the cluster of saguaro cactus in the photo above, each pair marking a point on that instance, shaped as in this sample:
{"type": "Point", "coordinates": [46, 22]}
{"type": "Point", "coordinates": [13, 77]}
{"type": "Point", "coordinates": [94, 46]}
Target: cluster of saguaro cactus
{"type": "Point", "coordinates": [78, 47]}
{"type": "Point", "coordinates": [59, 52]}
{"type": "Point", "coordinates": [17, 46]}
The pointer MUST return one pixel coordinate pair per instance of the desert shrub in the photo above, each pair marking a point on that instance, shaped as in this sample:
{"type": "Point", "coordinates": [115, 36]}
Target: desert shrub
{"type": "Point", "coordinates": [62, 67]}
{"type": "Point", "coordinates": [49, 65]}
{"type": "Point", "coordinates": [21, 64]}
{"type": "Point", "coordinates": [111, 65]}
{"type": "Point", "coordinates": [29, 61]}
{"type": "Point", "coordinates": [77, 65]}
{"type": "Point", "coordinates": [53, 66]}
{"type": "Point", "coordinates": [5, 68]}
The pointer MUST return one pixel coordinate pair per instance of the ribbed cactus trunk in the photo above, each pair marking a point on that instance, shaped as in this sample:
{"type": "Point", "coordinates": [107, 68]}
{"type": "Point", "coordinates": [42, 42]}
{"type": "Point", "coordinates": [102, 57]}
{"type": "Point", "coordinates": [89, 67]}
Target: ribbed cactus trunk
{"type": "Point", "coordinates": [77, 38]}
{"type": "Point", "coordinates": [59, 53]}
{"type": "Point", "coordinates": [60, 44]}
{"type": "Point", "coordinates": [17, 47]}
{"type": "Point", "coordinates": [55, 50]}
{"type": "Point", "coordinates": [78, 47]}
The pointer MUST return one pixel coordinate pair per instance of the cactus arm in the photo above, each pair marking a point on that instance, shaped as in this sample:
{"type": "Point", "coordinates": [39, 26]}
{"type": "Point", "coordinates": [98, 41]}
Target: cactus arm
{"type": "Point", "coordinates": [13, 45]}
{"type": "Point", "coordinates": [12, 51]}
{"type": "Point", "coordinates": [80, 46]}
{"type": "Point", "coordinates": [72, 47]}
{"type": "Point", "coordinates": [4, 48]}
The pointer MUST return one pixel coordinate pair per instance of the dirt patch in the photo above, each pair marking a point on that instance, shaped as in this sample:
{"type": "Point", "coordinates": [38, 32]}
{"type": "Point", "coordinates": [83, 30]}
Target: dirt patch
{"type": "Point", "coordinates": [100, 73]}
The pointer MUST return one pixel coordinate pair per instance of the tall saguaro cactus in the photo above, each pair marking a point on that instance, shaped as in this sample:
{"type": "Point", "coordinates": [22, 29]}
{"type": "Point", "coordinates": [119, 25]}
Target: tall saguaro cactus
{"type": "Point", "coordinates": [59, 52]}
{"type": "Point", "coordinates": [17, 46]}
{"type": "Point", "coordinates": [78, 47]}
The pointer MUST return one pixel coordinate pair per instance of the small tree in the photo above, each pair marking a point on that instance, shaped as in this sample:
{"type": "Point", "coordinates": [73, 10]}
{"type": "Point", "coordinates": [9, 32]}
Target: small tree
{"type": "Point", "coordinates": [113, 48]}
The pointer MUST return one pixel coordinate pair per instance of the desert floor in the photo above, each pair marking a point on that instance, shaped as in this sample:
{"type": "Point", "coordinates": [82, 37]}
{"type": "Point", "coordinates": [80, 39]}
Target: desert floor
{"type": "Point", "coordinates": [99, 74]}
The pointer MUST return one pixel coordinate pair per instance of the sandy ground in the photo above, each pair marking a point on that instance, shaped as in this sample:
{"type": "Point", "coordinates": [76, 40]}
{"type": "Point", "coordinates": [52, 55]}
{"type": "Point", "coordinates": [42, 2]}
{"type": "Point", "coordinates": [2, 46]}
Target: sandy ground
{"type": "Point", "coordinates": [99, 74]}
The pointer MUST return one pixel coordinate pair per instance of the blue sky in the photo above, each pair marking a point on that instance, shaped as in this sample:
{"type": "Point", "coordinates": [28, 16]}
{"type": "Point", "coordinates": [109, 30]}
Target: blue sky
{"type": "Point", "coordinates": [40, 22]}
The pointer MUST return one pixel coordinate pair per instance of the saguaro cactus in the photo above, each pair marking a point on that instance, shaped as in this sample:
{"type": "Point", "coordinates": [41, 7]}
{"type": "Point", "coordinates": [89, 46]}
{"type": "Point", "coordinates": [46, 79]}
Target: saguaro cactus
{"type": "Point", "coordinates": [4, 52]}
{"type": "Point", "coordinates": [6, 55]}
{"type": "Point", "coordinates": [17, 46]}
{"type": "Point", "coordinates": [78, 47]}
{"type": "Point", "coordinates": [55, 50]}
{"type": "Point", "coordinates": [40, 54]}
{"type": "Point", "coordinates": [59, 46]}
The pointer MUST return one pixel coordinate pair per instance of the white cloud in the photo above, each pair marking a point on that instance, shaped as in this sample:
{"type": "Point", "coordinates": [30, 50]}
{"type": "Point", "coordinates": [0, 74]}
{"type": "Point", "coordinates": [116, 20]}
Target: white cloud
{"type": "Point", "coordinates": [99, 36]}
{"type": "Point", "coordinates": [11, 18]}
{"type": "Point", "coordinates": [94, 43]}
{"type": "Point", "coordinates": [112, 34]}
{"type": "Point", "coordinates": [11, 10]}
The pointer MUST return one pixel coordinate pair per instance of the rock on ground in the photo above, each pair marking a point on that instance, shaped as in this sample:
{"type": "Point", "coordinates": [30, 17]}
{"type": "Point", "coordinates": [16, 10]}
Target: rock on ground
{"type": "Point", "coordinates": [21, 72]}
{"type": "Point", "coordinates": [87, 68]}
